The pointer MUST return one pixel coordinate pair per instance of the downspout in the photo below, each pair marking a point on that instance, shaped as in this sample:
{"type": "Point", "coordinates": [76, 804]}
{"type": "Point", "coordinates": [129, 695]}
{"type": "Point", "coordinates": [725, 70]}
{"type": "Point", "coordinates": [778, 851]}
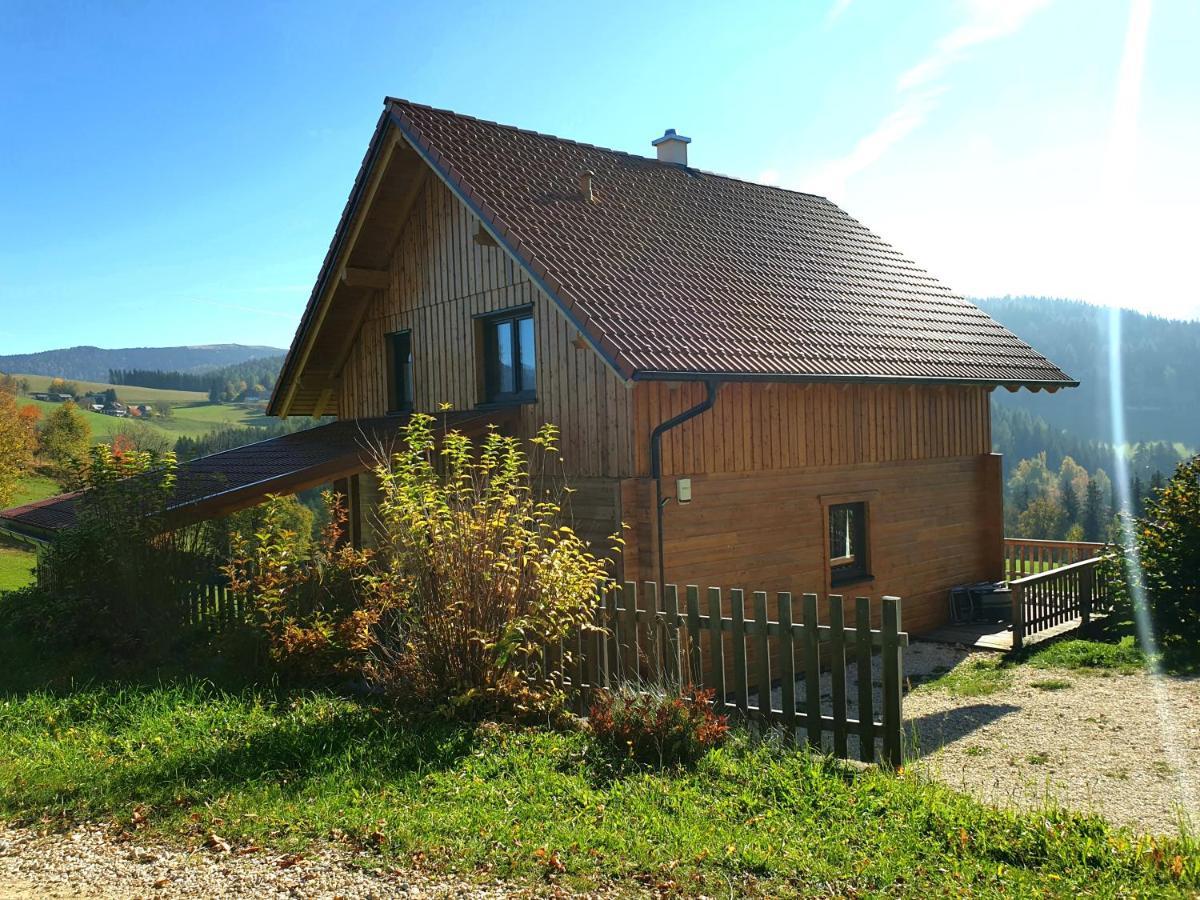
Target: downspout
{"type": "Point", "coordinates": [656, 463]}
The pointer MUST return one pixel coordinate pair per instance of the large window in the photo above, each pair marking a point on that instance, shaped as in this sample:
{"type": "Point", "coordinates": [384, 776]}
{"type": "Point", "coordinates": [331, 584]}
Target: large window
{"type": "Point", "coordinates": [848, 557]}
{"type": "Point", "coordinates": [400, 371]}
{"type": "Point", "coordinates": [508, 358]}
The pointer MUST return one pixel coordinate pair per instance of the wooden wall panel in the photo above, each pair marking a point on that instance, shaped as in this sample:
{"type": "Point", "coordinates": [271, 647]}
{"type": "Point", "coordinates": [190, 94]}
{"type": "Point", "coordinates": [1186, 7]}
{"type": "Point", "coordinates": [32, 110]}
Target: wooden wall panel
{"type": "Point", "coordinates": [933, 524]}
{"type": "Point", "coordinates": [771, 427]}
{"type": "Point", "coordinates": [441, 280]}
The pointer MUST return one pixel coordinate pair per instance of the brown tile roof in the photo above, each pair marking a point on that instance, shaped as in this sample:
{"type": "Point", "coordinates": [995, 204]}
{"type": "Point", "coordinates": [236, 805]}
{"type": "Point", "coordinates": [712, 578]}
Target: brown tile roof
{"type": "Point", "coordinates": [235, 479]}
{"type": "Point", "coordinates": [676, 271]}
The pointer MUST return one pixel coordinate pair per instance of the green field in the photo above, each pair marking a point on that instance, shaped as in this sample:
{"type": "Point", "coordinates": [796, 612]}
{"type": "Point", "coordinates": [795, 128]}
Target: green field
{"type": "Point", "coordinates": [125, 392]}
{"type": "Point", "coordinates": [34, 487]}
{"type": "Point", "coordinates": [193, 419]}
{"type": "Point", "coordinates": [16, 566]}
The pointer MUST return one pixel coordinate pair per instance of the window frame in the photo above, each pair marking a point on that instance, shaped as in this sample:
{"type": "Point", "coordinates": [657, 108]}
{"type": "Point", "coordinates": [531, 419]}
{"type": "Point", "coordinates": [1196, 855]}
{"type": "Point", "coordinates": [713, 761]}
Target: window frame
{"type": "Point", "coordinates": [487, 325]}
{"type": "Point", "coordinates": [839, 575]}
{"type": "Point", "coordinates": [396, 404]}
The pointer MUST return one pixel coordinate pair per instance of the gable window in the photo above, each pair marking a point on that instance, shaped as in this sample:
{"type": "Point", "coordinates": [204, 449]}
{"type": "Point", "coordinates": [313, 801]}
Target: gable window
{"type": "Point", "coordinates": [400, 371]}
{"type": "Point", "coordinates": [508, 357]}
{"type": "Point", "coordinates": [848, 553]}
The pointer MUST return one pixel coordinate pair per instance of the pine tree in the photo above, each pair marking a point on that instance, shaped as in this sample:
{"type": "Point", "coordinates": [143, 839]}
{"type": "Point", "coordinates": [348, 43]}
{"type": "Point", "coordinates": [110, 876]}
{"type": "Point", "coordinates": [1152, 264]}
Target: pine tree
{"type": "Point", "coordinates": [1093, 513]}
{"type": "Point", "coordinates": [1070, 501]}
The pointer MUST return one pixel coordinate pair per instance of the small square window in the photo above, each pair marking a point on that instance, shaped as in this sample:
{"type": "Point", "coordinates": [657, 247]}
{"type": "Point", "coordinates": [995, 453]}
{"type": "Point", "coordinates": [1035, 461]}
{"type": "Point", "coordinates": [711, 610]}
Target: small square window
{"type": "Point", "coordinates": [400, 371]}
{"type": "Point", "coordinates": [848, 552]}
{"type": "Point", "coordinates": [509, 366]}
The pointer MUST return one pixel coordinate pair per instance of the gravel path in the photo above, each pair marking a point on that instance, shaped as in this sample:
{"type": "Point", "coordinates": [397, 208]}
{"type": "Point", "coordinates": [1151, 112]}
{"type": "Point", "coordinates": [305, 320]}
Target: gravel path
{"type": "Point", "coordinates": [88, 862]}
{"type": "Point", "coordinates": [1124, 746]}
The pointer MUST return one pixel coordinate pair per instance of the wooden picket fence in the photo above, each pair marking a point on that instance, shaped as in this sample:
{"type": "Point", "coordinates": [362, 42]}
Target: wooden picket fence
{"type": "Point", "coordinates": [1057, 596]}
{"type": "Point", "coordinates": [209, 604]}
{"type": "Point", "coordinates": [766, 671]}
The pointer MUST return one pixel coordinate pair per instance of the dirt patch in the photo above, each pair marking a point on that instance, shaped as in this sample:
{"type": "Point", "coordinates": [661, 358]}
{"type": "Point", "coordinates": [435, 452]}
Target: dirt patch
{"type": "Point", "coordinates": [1124, 746]}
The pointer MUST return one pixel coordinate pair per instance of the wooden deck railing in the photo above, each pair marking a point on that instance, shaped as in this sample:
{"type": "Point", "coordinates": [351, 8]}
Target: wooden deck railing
{"type": "Point", "coordinates": [748, 659]}
{"type": "Point", "coordinates": [1056, 596]}
{"type": "Point", "coordinates": [1029, 557]}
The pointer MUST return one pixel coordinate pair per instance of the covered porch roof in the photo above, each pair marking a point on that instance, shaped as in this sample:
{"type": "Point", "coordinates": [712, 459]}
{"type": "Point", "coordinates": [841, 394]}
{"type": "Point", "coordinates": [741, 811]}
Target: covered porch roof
{"type": "Point", "coordinates": [210, 487]}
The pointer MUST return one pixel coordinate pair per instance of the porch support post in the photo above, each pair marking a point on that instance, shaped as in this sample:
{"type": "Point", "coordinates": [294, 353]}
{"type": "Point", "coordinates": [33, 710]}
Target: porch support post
{"type": "Point", "coordinates": [1087, 577]}
{"type": "Point", "coordinates": [1018, 615]}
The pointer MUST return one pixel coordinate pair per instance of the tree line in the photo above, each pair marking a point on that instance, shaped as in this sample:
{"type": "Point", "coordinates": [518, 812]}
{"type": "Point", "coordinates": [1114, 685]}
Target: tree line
{"type": "Point", "coordinates": [229, 383]}
{"type": "Point", "coordinates": [1058, 486]}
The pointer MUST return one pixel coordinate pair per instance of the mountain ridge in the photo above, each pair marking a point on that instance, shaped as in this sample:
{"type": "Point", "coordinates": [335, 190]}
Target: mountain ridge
{"type": "Point", "coordinates": [1159, 392]}
{"type": "Point", "coordinates": [88, 363]}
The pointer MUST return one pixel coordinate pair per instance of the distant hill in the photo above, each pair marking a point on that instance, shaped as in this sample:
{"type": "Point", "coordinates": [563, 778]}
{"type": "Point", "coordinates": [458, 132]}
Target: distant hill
{"type": "Point", "coordinates": [1159, 357]}
{"type": "Point", "coordinates": [94, 363]}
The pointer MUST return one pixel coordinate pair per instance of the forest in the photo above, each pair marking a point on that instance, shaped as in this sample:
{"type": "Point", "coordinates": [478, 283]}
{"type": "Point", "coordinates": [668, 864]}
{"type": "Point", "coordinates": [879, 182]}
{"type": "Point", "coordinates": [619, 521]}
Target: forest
{"type": "Point", "coordinates": [253, 377]}
{"type": "Point", "coordinates": [1059, 459]}
{"type": "Point", "coordinates": [1159, 387]}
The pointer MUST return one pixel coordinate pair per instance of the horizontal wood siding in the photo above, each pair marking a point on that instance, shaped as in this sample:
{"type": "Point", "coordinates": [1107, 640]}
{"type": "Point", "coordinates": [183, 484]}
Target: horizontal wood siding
{"type": "Point", "coordinates": [930, 527]}
{"type": "Point", "coordinates": [441, 279]}
{"type": "Point", "coordinates": [763, 427]}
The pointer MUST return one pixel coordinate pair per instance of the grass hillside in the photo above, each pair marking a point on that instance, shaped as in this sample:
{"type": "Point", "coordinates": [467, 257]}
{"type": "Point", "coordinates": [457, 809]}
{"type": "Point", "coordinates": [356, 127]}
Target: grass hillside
{"type": "Point", "coordinates": [193, 419]}
{"type": "Point", "coordinates": [127, 393]}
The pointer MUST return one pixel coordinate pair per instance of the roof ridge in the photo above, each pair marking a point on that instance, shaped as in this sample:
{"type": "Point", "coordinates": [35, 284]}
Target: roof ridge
{"type": "Point", "coordinates": [389, 99]}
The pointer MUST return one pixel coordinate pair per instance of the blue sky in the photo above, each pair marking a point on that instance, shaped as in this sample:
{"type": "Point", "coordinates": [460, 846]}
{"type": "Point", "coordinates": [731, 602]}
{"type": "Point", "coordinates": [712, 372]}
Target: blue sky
{"type": "Point", "coordinates": [172, 173]}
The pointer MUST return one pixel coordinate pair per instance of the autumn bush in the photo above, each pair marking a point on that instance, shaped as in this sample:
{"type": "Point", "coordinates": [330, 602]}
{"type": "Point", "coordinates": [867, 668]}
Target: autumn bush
{"type": "Point", "coordinates": [310, 601]}
{"type": "Point", "coordinates": [657, 726]}
{"type": "Point", "coordinates": [471, 570]}
{"type": "Point", "coordinates": [1165, 573]}
{"type": "Point", "coordinates": [18, 440]}
{"type": "Point", "coordinates": [477, 567]}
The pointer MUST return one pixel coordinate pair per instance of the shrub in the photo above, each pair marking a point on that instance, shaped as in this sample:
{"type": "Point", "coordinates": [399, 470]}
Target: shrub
{"type": "Point", "coordinates": [111, 582]}
{"type": "Point", "coordinates": [657, 726]}
{"type": "Point", "coordinates": [309, 599]}
{"type": "Point", "coordinates": [1167, 538]}
{"type": "Point", "coordinates": [475, 568]}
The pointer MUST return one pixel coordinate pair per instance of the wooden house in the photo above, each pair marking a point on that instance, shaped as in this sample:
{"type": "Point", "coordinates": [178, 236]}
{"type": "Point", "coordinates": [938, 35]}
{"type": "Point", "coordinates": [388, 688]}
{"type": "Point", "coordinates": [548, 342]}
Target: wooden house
{"type": "Point", "coordinates": [765, 392]}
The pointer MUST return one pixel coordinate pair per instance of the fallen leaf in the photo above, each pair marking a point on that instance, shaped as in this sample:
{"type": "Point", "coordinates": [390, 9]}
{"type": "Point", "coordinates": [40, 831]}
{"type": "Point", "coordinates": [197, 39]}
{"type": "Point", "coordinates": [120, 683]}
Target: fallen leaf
{"type": "Point", "coordinates": [292, 859]}
{"type": "Point", "coordinates": [217, 843]}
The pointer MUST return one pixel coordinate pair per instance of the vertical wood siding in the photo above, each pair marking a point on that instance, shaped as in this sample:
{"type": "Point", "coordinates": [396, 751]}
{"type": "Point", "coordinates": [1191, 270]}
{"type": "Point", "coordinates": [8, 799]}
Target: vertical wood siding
{"type": "Point", "coordinates": [441, 280]}
{"type": "Point", "coordinates": [770, 427]}
{"type": "Point", "coordinates": [933, 524]}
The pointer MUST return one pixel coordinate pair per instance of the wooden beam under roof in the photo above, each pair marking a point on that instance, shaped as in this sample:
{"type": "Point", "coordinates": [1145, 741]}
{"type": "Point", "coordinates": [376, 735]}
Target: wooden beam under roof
{"type": "Point", "coordinates": [394, 140]}
{"type": "Point", "coordinates": [353, 276]}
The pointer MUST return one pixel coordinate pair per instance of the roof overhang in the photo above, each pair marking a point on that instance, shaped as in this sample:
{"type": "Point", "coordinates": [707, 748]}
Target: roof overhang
{"type": "Point", "coordinates": [772, 378]}
{"type": "Point", "coordinates": [355, 268]}
{"type": "Point", "coordinates": [211, 487]}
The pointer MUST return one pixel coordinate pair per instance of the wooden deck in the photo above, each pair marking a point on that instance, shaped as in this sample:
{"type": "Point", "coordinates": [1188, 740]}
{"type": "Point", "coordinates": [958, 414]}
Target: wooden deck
{"type": "Point", "coordinates": [996, 635]}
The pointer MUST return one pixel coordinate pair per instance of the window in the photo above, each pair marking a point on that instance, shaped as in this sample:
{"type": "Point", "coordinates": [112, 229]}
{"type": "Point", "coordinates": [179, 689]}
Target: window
{"type": "Point", "coordinates": [508, 358]}
{"type": "Point", "coordinates": [400, 371]}
{"type": "Point", "coordinates": [848, 561]}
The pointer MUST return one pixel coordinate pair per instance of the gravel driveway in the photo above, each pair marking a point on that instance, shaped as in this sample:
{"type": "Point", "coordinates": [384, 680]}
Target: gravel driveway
{"type": "Point", "coordinates": [1124, 746]}
{"type": "Point", "coordinates": [87, 862]}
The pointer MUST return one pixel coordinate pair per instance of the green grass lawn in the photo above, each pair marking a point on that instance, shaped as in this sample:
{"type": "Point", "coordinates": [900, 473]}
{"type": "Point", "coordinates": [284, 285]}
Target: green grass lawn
{"type": "Point", "coordinates": [287, 769]}
{"type": "Point", "coordinates": [16, 566]}
{"type": "Point", "coordinates": [34, 487]}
